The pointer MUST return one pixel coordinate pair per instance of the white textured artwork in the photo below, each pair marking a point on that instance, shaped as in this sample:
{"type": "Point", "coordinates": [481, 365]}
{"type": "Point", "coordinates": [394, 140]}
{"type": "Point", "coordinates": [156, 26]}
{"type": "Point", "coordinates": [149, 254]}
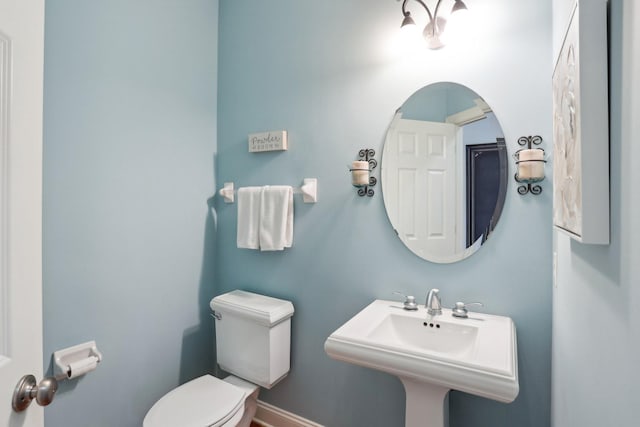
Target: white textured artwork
{"type": "Point", "coordinates": [567, 173]}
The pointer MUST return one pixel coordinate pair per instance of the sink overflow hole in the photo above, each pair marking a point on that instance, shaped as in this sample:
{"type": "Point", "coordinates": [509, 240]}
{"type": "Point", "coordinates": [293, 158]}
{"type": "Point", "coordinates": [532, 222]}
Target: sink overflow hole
{"type": "Point", "coordinates": [431, 325]}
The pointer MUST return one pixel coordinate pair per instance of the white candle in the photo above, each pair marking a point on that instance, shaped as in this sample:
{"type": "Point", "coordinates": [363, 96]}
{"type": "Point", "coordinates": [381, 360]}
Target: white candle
{"type": "Point", "coordinates": [531, 170]}
{"type": "Point", "coordinates": [360, 173]}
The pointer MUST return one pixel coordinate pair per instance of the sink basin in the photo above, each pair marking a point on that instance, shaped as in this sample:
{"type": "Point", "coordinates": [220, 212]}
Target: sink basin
{"type": "Point", "coordinates": [398, 330]}
{"type": "Point", "coordinates": [432, 354]}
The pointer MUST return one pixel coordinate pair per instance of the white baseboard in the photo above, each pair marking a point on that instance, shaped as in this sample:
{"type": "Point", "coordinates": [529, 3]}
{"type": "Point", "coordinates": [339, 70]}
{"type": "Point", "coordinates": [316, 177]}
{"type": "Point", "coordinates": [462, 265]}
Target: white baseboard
{"type": "Point", "coordinates": [271, 416]}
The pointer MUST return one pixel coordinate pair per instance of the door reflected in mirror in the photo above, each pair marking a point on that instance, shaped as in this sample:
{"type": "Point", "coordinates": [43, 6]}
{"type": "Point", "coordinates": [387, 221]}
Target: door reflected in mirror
{"type": "Point", "coordinates": [444, 172]}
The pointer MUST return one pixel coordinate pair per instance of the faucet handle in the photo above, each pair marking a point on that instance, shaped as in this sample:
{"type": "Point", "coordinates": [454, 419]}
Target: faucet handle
{"type": "Point", "coordinates": [409, 301]}
{"type": "Point", "coordinates": [460, 309]}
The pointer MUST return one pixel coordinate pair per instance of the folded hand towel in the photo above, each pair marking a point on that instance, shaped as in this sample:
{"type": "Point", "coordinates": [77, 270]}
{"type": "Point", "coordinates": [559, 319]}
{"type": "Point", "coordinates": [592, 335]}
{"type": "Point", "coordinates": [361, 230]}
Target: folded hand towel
{"type": "Point", "coordinates": [248, 217]}
{"type": "Point", "coordinates": [276, 218]}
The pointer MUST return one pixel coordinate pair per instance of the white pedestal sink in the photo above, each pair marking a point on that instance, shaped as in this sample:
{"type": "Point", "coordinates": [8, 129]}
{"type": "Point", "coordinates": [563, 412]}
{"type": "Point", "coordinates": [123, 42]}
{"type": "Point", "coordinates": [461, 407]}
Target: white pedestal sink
{"type": "Point", "coordinates": [432, 355]}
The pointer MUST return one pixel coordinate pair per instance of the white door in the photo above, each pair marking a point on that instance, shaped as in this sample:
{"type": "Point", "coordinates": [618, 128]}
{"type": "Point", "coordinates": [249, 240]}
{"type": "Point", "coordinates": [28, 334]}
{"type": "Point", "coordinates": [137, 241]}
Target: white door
{"type": "Point", "coordinates": [420, 183]}
{"type": "Point", "coordinates": [21, 80]}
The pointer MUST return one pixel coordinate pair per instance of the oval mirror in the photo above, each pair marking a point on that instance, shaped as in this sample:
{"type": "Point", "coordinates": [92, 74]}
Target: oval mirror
{"type": "Point", "coordinates": [444, 172]}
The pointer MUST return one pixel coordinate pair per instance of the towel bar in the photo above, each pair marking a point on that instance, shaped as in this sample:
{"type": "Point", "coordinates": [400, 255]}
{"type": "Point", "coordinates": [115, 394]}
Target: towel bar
{"type": "Point", "coordinates": [309, 191]}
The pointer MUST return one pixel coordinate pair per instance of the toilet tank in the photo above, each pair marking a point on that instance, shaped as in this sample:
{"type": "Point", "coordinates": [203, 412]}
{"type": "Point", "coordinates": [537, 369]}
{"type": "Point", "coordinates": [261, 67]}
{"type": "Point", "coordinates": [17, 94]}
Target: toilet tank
{"type": "Point", "coordinates": [253, 336]}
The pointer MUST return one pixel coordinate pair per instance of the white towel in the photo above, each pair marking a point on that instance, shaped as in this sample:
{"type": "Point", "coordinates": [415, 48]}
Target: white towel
{"type": "Point", "coordinates": [249, 217]}
{"type": "Point", "coordinates": [276, 218]}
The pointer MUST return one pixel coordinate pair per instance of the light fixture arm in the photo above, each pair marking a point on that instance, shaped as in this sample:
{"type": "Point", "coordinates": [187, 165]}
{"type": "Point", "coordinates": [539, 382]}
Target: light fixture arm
{"type": "Point", "coordinates": [405, 12]}
{"type": "Point", "coordinates": [435, 12]}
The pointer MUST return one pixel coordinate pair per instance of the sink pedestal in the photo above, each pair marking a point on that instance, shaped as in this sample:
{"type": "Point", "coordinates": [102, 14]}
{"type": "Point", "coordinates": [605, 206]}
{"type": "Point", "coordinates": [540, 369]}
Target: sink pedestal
{"type": "Point", "coordinates": [427, 404]}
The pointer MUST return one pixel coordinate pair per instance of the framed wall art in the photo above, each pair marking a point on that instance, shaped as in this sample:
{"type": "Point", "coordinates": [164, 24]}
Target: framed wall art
{"type": "Point", "coordinates": [581, 127]}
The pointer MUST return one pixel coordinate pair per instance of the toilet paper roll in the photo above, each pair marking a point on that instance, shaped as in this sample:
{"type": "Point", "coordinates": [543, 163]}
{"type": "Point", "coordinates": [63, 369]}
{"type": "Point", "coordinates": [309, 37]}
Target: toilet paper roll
{"type": "Point", "coordinates": [81, 367]}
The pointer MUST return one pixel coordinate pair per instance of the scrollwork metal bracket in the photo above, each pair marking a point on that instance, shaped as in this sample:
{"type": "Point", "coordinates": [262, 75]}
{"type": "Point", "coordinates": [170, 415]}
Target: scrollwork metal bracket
{"type": "Point", "coordinates": [368, 154]}
{"type": "Point", "coordinates": [528, 186]}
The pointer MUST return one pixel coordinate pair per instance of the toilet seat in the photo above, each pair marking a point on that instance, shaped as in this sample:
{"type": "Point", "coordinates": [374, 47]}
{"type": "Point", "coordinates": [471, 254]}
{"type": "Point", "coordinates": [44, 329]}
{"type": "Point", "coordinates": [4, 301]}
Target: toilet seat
{"type": "Point", "coordinates": [203, 402]}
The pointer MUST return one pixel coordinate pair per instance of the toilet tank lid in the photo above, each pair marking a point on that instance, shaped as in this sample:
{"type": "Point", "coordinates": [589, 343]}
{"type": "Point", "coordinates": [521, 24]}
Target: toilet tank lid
{"type": "Point", "coordinates": [262, 309]}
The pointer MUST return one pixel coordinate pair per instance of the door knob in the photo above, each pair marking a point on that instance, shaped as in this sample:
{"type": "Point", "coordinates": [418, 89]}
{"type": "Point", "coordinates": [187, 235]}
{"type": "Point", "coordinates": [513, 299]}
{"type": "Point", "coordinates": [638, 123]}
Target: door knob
{"type": "Point", "coordinates": [27, 389]}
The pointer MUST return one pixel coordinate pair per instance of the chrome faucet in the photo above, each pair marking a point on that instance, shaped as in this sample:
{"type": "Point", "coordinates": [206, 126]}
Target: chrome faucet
{"type": "Point", "coordinates": [433, 303]}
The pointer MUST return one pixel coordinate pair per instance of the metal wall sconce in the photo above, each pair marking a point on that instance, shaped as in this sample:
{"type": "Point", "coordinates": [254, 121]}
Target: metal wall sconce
{"type": "Point", "coordinates": [530, 165]}
{"type": "Point", "coordinates": [434, 30]}
{"type": "Point", "coordinates": [360, 170]}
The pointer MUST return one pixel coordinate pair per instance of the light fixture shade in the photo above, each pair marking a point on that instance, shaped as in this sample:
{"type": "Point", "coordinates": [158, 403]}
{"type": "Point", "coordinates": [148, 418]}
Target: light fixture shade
{"type": "Point", "coordinates": [408, 20]}
{"type": "Point", "coordinates": [433, 33]}
{"type": "Point", "coordinates": [458, 5]}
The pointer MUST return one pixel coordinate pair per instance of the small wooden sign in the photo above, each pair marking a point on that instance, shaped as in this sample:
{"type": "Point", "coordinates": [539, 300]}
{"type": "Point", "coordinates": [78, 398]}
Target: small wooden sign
{"type": "Point", "coordinates": [275, 140]}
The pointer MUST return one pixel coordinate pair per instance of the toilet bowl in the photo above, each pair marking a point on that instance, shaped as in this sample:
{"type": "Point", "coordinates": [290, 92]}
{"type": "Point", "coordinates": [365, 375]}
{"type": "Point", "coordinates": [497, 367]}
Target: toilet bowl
{"type": "Point", "coordinates": [206, 402]}
{"type": "Point", "coordinates": [253, 340]}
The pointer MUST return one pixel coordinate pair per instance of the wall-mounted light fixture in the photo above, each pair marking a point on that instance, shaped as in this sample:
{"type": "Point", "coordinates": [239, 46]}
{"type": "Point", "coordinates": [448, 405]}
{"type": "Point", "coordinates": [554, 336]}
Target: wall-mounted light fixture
{"type": "Point", "coordinates": [530, 163]}
{"type": "Point", "coordinates": [360, 172]}
{"type": "Point", "coordinates": [434, 30]}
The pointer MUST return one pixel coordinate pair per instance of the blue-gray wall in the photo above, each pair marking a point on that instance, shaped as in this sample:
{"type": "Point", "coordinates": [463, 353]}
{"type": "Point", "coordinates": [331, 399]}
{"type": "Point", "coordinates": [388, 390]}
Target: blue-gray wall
{"type": "Point", "coordinates": [129, 140]}
{"type": "Point", "coordinates": [329, 73]}
{"type": "Point", "coordinates": [596, 319]}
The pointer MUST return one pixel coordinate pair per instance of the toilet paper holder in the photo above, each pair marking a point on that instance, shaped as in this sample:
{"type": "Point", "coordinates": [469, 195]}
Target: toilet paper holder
{"type": "Point", "coordinates": [75, 361]}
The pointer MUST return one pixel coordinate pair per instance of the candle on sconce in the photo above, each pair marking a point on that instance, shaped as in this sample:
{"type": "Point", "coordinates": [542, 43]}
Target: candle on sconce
{"type": "Point", "coordinates": [531, 164]}
{"type": "Point", "coordinates": [360, 173]}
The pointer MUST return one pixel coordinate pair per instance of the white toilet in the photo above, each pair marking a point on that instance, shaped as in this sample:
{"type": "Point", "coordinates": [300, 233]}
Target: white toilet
{"type": "Point", "coordinates": [253, 341]}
